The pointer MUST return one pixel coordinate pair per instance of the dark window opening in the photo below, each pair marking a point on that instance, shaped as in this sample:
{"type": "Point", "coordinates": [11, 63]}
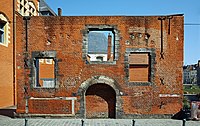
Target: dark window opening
{"type": "Point", "coordinates": [101, 45]}
{"type": "Point", "coordinates": [44, 72]}
{"type": "Point", "coordinates": [2, 26]}
{"type": "Point", "coordinates": [99, 58]}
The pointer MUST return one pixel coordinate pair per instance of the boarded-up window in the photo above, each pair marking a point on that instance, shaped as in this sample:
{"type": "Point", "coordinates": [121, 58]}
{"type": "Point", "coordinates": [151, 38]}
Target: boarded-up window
{"type": "Point", "coordinates": [139, 66]}
{"type": "Point", "coordinates": [45, 76]}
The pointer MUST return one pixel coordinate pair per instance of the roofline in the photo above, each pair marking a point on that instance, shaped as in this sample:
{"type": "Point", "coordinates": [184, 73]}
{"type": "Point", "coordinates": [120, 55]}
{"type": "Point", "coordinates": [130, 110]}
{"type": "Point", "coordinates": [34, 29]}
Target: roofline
{"type": "Point", "coordinates": [48, 8]}
{"type": "Point", "coordinates": [97, 15]}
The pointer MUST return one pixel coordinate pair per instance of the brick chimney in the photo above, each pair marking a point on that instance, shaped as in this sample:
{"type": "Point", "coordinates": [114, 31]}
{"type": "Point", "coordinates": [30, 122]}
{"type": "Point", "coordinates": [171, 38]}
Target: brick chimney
{"type": "Point", "coordinates": [198, 63]}
{"type": "Point", "coordinates": [59, 12]}
{"type": "Point", "coordinates": [109, 47]}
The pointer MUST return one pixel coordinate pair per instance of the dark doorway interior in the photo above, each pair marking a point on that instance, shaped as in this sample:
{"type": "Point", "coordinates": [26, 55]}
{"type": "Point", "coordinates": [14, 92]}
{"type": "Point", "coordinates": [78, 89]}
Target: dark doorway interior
{"type": "Point", "coordinates": [100, 101]}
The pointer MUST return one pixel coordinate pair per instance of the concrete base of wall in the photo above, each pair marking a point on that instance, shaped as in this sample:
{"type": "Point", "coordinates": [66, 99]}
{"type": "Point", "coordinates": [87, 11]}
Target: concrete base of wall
{"type": "Point", "coordinates": [148, 116]}
{"type": "Point", "coordinates": [70, 116]}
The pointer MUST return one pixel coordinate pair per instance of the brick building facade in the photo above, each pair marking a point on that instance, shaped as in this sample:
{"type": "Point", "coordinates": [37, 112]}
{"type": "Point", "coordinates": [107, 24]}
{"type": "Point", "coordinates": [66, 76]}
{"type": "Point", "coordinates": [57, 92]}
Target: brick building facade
{"type": "Point", "coordinates": [143, 77]}
{"type": "Point", "coordinates": [9, 9]}
{"type": "Point", "coordinates": [6, 50]}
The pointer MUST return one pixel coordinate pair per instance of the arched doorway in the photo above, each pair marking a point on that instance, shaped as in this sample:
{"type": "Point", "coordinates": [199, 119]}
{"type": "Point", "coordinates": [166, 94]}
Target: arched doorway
{"type": "Point", "coordinates": [100, 101]}
{"type": "Point", "coordinates": [107, 85]}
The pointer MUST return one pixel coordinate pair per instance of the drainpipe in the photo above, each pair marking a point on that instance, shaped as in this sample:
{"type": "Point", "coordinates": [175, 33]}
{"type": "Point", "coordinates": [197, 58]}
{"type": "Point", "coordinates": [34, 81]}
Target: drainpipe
{"type": "Point", "coordinates": [26, 64]}
{"type": "Point", "coordinates": [169, 19]}
{"type": "Point", "coordinates": [14, 53]}
{"type": "Point", "coordinates": [161, 30]}
{"type": "Point", "coordinates": [26, 18]}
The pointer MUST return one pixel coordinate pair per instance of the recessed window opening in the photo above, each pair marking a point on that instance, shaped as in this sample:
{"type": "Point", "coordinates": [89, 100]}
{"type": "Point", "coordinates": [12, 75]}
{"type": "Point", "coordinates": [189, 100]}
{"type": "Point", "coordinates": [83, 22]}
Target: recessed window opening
{"type": "Point", "coordinates": [101, 45]}
{"type": "Point", "coordinates": [2, 30]}
{"type": "Point", "coordinates": [44, 72]}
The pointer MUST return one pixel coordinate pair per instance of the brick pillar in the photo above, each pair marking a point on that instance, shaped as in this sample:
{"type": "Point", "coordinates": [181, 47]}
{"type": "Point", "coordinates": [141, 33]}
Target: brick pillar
{"type": "Point", "coordinates": [109, 47]}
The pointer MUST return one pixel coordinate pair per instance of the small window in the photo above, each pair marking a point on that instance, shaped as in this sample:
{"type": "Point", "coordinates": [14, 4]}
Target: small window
{"type": "Point", "coordinates": [139, 67]}
{"type": "Point", "coordinates": [2, 27]}
{"type": "Point", "coordinates": [44, 72]}
{"type": "Point", "coordinates": [99, 58]}
{"type": "Point", "coordinates": [100, 44]}
{"type": "Point", "coordinates": [4, 30]}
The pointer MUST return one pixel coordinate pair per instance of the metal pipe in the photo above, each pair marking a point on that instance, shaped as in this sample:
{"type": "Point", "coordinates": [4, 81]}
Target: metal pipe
{"type": "Point", "coordinates": [82, 122]}
{"type": "Point", "coordinates": [14, 53]}
{"type": "Point", "coordinates": [26, 122]}
{"type": "Point", "coordinates": [26, 18]}
{"type": "Point", "coordinates": [161, 25]}
{"type": "Point", "coordinates": [133, 122]}
{"type": "Point", "coordinates": [26, 65]}
{"type": "Point", "coordinates": [184, 121]}
{"type": "Point", "coordinates": [169, 20]}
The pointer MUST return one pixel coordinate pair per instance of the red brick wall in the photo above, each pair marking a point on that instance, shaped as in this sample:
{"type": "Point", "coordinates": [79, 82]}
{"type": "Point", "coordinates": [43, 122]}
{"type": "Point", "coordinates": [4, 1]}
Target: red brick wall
{"type": "Point", "coordinates": [65, 34]}
{"type": "Point", "coordinates": [6, 62]}
{"type": "Point", "coordinates": [7, 87]}
{"type": "Point", "coordinates": [93, 105]}
{"type": "Point", "coordinates": [53, 106]}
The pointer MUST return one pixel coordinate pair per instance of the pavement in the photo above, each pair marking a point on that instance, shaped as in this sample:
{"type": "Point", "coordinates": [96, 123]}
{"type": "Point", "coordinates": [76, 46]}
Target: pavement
{"type": "Point", "coordinates": [6, 119]}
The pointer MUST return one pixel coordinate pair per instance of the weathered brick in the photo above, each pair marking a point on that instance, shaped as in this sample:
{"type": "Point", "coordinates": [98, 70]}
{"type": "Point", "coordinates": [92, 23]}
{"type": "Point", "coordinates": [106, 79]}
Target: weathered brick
{"type": "Point", "coordinates": [76, 77]}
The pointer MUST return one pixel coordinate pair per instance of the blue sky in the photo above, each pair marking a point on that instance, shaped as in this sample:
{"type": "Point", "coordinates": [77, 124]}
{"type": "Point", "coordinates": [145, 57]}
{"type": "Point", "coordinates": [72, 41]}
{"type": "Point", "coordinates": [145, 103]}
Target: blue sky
{"type": "Point", "coordinates": [190, 9]}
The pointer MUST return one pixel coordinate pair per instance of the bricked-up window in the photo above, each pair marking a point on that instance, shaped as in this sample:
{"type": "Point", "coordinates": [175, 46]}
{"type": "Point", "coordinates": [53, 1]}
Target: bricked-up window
{"type": "Point", "coordinates": [139, 67]}
{"type": "Point", "coordinates": [45, 72]}
{"type": "Point", "coordinates": [100, 44]}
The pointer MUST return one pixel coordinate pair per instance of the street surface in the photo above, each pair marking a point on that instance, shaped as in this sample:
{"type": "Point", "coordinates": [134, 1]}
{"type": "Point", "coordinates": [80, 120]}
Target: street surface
{"type": "Point", "coordinates": [7, 121]}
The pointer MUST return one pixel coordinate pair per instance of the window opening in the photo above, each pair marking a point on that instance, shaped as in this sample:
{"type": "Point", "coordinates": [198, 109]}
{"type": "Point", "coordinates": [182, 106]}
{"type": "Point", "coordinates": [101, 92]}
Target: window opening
{"type": "Point", "coordinates": [2, 26]}
{"type": "Point", "coordinates": [99, 58]}
{"type": "Point", "coordinates": [45, 72]}
{"type": "Point", "coordinates": [101, 45]}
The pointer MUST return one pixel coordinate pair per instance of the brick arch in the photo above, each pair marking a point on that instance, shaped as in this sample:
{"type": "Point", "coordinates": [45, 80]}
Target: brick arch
{"type": "Point", "coordinates": [98, 80]}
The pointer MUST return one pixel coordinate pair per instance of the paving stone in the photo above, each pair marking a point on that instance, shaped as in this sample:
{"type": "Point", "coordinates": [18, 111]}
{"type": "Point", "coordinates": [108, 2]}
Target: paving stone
{"type": "Point", "coordinates": [95, 122]}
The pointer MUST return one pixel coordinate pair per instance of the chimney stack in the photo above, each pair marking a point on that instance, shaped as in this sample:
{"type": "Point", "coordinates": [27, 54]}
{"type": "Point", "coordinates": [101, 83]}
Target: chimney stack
{"type": "Point", "coordinates": [109, 47]}
{"type": "Point", "coordinates": [59, 12]}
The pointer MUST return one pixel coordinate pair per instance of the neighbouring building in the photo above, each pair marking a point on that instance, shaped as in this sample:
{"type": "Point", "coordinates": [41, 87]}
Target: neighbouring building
{"type": "Point", "coordinates": [141, 75]}
{"type": "Point", "coordinates": [191, 74]}
{"type": "Point", "coordinates": [198, 73]}
{"type": "Point", "coordinates": [6, 49]}
{"type": "Point", "coordinates": [45, 10]}
{"type": "Point", "coordinates": [9, 10]}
